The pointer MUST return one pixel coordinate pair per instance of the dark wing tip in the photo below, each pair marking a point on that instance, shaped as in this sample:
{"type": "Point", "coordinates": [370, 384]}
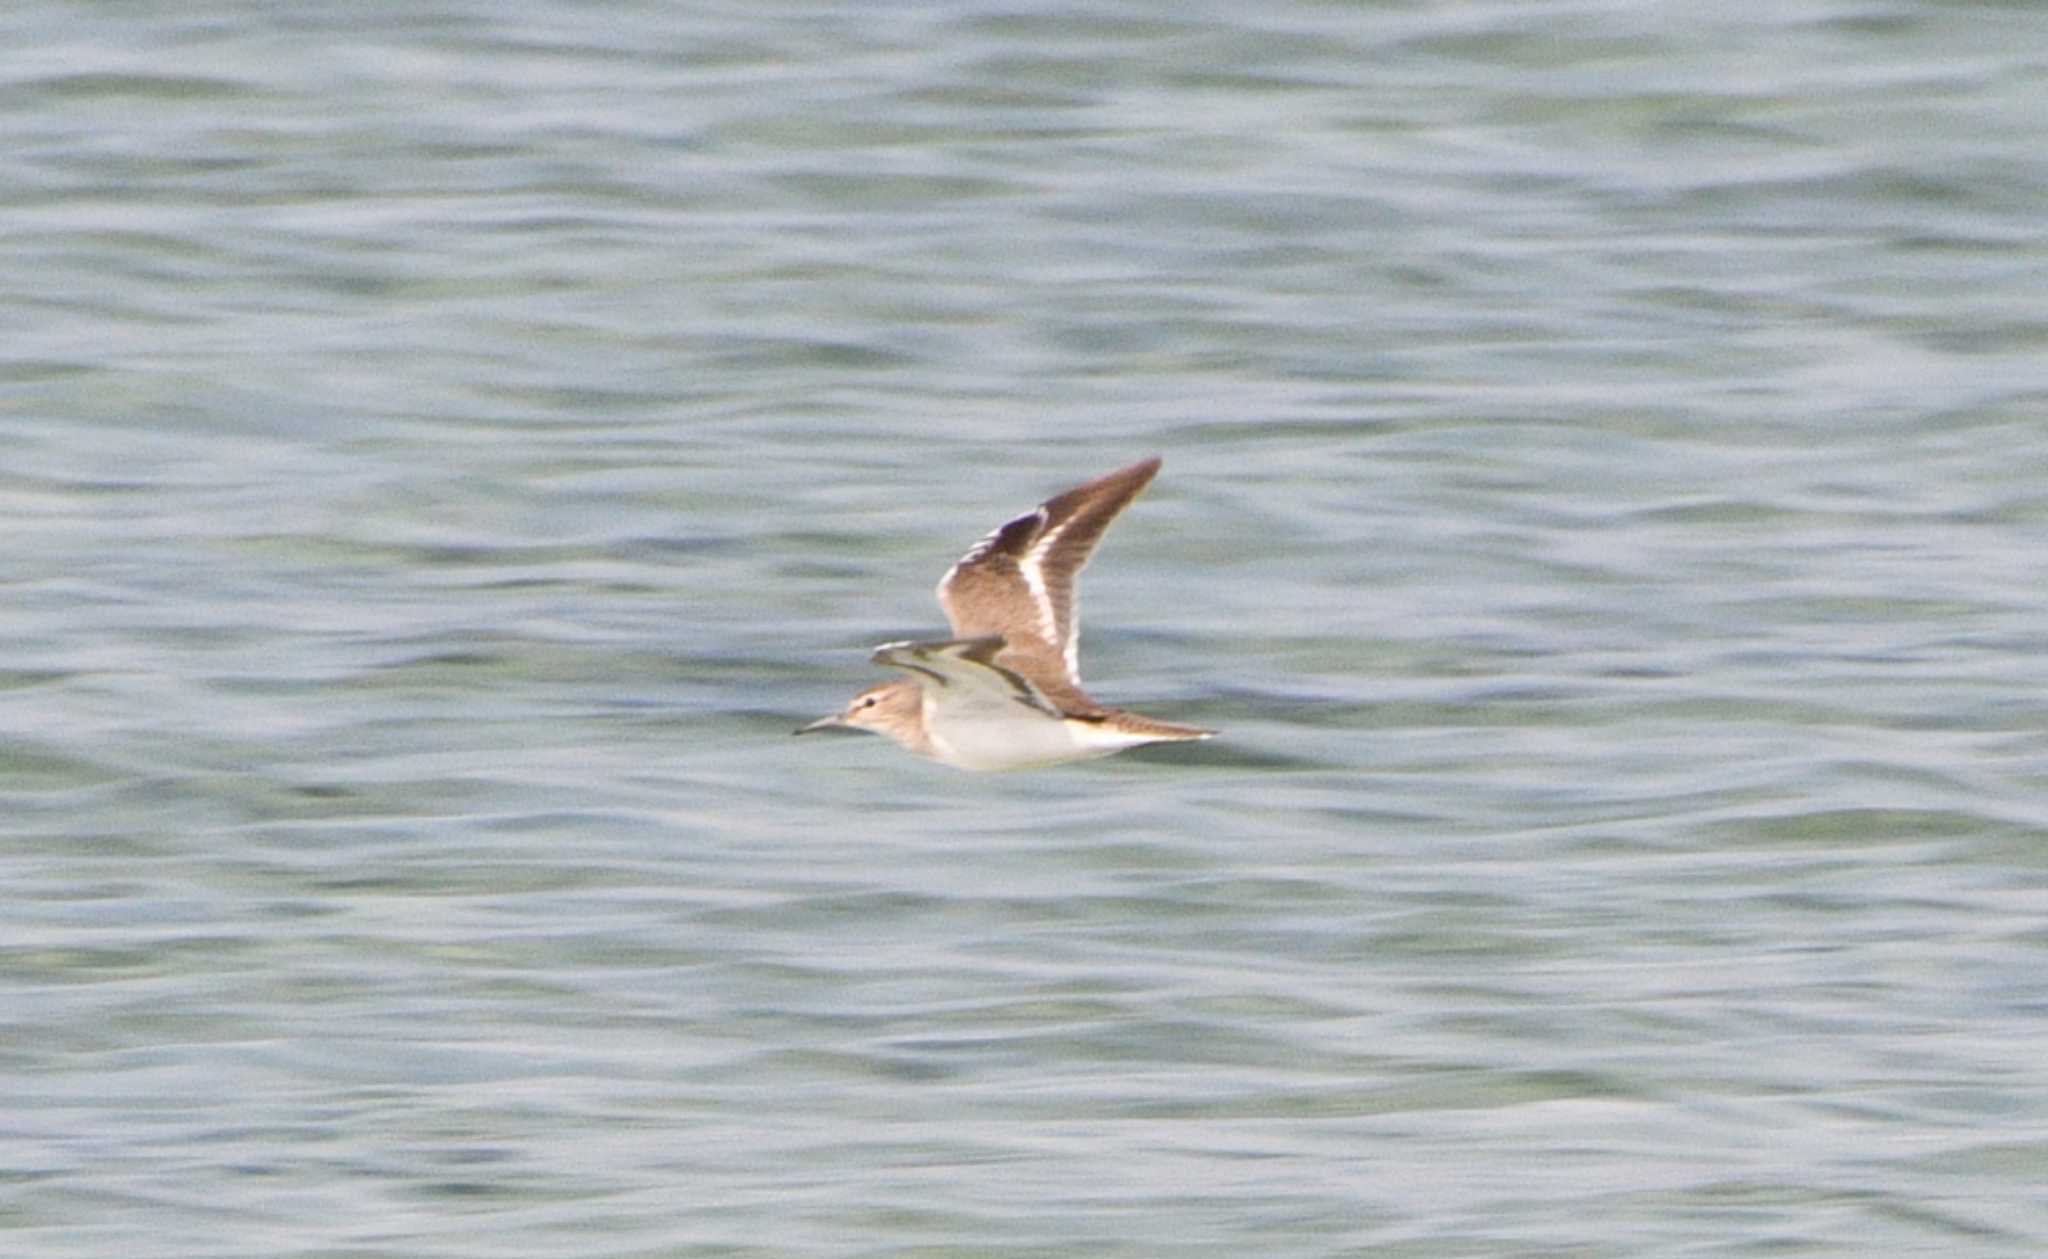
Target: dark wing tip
{"type": "Point", "coordinates": [1139, 473]}
{"type": "Point", "coordinates": [1104, 497]}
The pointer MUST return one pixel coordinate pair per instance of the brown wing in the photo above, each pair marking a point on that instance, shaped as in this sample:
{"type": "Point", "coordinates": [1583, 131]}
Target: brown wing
{"type": "Point", "coordinates": [1019, 582]}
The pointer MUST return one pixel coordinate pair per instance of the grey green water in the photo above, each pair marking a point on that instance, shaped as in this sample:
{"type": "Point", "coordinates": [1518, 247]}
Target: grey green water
{"type": "Point", "coordinates": [445, 448]}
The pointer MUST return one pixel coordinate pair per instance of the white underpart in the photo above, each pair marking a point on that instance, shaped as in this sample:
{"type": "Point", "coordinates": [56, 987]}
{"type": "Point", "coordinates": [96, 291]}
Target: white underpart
{"type": "Point", "coordinates": [967, 732]}
{"type": "Point", "coordinates": [1027, 741]}
{"type": "Point", "coordinates": [979, 719]}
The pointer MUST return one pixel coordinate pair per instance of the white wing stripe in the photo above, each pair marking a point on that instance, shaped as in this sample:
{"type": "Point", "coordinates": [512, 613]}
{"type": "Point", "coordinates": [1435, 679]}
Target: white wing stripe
{"type": "Point", "coordinates": [1072, 651]}
{"type": "Point", "coordinates": [1033, 568]}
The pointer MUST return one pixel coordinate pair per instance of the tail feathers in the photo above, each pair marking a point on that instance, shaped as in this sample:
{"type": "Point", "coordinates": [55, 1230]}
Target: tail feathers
{"type": "Point", "coordinates": [1156, 731]}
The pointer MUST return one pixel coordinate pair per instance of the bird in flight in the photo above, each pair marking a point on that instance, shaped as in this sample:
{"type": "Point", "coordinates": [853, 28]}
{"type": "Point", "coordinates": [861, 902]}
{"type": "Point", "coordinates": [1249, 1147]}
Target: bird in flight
{"type": "Point", "coordinates": [1005, 691]}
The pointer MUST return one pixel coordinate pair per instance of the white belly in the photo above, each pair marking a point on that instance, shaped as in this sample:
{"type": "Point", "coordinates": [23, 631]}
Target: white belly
{"type": "Point", "coordinates": [1023, 741]}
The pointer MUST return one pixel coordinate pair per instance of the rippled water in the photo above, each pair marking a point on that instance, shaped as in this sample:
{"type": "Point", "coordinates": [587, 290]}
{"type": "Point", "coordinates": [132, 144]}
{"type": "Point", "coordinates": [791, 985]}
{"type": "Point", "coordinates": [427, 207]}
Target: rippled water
{"type": "Point", "coordinates": [446, 451]}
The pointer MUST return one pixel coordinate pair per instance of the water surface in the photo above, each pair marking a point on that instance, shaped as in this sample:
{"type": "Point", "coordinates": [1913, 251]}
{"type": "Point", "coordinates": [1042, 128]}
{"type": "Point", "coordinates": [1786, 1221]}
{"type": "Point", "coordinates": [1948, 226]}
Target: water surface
{"type": "Point", "coordinates": [446, 452]}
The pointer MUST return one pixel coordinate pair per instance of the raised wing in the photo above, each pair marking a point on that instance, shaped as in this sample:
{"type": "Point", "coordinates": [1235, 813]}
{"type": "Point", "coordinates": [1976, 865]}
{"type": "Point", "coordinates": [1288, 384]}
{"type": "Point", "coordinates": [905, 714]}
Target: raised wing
{"type": "Point", "coordinates": [1019, 582]}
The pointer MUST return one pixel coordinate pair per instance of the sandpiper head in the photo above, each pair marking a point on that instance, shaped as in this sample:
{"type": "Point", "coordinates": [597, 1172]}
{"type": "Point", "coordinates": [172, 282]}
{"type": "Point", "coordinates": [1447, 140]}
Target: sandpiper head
{"type": "Point", "coordinates": [895, 709]}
